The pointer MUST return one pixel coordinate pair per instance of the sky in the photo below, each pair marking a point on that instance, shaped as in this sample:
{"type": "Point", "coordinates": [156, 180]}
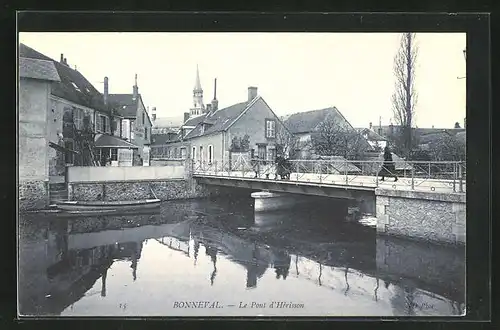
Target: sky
{"type": "Point", "coordinates": [293, 72]}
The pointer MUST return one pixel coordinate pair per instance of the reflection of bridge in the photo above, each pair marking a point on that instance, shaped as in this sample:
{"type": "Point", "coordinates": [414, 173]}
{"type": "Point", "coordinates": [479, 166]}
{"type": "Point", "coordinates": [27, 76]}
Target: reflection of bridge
{"type": "Point", "coordinates": [446, 177]}
{"type": "Point", "coordinates": [334, 272]}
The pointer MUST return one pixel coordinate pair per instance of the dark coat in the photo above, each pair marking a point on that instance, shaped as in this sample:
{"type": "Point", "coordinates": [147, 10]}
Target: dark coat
{"type": "Point", "coordinates": [388, 168]}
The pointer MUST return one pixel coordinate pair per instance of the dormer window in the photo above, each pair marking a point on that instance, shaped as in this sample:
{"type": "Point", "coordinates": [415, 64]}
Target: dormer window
{"type": "Point", "coordinates": [76, 87]}
{"type": "Point", "coordinates": [202, 128]}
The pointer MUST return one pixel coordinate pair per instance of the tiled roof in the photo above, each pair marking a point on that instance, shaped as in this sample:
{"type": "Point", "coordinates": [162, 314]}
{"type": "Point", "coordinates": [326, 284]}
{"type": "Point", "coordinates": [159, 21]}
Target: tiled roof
{"type": "Point", "coordinates": [167, 122]}
{"type": "Point", "coordinates": [158, 139]}
{"type": "Point", "coordinates": [220, 120]}
{"type": "Point", "coordinates": [73, 86]}
{"type": "Point", "coordinates": [37, 69]}
{"type": "Point", "coordinates": [371, 135]}
{"type": "Point", "coordinates": [125, 104]}
{"type": "Point", "coordinates": [432, 137]}
{"type": "Point", "coordinates": [308, 121]}
{"type": "Point", "coordinates": [112, 142]}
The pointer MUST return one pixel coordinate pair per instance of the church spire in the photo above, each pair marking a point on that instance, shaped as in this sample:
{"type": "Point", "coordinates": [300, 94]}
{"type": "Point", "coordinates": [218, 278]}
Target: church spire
{"type": "Point", "coordinates": [198, 106]}
{"type": "Point", "coordinates": [197, 85]}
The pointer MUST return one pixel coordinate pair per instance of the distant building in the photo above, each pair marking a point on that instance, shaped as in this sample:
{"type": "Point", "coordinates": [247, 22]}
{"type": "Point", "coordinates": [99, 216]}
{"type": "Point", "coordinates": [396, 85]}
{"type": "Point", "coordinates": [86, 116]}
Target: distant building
{"type": "Point", "coordinates": [376, 141]}
{"type": "Point", "coordinates": [208, 136]}
{"type": "Point", "coordinates": [163, 125]}
{"type": "Point", "coordinates": [304, 125]}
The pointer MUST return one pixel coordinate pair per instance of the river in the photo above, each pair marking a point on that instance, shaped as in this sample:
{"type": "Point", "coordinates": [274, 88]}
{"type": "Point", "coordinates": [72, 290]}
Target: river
{"type": "Point", "coordinates": [215, 257]}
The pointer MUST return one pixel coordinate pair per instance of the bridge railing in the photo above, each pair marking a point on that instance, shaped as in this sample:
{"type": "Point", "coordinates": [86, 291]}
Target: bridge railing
{"type": "Point", "coordinates": [440, 175]}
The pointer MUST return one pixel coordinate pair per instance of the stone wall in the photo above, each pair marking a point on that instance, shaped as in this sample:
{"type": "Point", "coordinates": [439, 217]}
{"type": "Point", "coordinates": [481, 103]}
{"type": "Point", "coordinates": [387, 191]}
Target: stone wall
{"type": "Point", "coordinates": [33, 195]}
{"type": "Point", "coordinates": [121, 191]}
{"type": "Point", "coordinates": [427, 216]}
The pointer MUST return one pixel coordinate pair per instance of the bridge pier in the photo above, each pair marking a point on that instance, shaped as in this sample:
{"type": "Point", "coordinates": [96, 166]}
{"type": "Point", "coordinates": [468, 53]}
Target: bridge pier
{"type": "Point", "coordinates": [272, 201]}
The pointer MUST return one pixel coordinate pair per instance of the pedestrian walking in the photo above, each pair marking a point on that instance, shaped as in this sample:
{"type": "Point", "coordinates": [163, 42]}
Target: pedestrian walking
{"type": "Point", "coordinates": [388, 168]}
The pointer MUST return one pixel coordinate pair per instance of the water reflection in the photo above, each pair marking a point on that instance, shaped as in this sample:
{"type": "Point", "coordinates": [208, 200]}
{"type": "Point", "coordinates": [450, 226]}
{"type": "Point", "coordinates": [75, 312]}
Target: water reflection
{"type": "Point", "coordinates": [136, 265]}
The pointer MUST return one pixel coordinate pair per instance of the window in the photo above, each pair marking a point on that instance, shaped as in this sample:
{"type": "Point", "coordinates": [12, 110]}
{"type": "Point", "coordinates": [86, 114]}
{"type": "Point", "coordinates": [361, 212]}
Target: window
{"type": "Point", "coordinates": [104, 124]}
{"type": "Point", "coordinates": [183, 153]}
{"type": "Point", "coordinates": [145, 133]}
{"type": "Point", "coordinates": [261, 151]}
{"type": "Point", "coordinates": [143, 122]}
{"type": "Point", "coordinates": [69, 155]}
{"type": "Point", "coordinates": [210, 154]}
{"type": "Point", "coordinates": [78, 118]}
{"type": "Point", "coordinates": [104, 156]}
{"type": "Point", "coordinates": [201, 153]}
{"type": "Point", "coordinates": [132, 129]}
{"type": "Point", "coordinates": [270, 129]}
{"type": "Point", "coordinates": [114, 154]}
{"type": "Point", "coordinates": [176, 155]}
{"type": "Point", "coordinates": [193, 153]}
{"type": "Point", "coordinates": [271, 154]}
{"type": "Point", "coordinates": [101, 124]}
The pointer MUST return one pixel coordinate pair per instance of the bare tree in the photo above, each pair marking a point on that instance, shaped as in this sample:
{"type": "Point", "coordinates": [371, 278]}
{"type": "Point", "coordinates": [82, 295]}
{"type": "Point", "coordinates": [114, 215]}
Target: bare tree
{"type": "Point", "coordinates": [286, 143]}
{"type": "Point", "coordinates": [404, 98]}
{"type": "Point", "coordinates": [332, 139]}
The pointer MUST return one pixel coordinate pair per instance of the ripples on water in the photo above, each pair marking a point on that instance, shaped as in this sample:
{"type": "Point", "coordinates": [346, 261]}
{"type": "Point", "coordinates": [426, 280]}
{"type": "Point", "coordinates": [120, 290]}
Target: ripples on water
{"type": "Point", "coordinates": [308, 258]}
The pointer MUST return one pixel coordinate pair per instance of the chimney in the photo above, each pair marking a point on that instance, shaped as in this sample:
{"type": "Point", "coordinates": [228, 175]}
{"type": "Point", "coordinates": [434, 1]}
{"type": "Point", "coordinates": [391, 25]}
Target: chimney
{"type": "Point", "coordinates": [186, 116]}
{"type": "Point", "coordinates": [62, 59]}
{"type": "Point", "coordinates": [153, 114]}
{"type": "Point", "coordinates": [371, 126]}
{"type": "Point", "coordinates": [215, 89]}
{"type": "Point", "coordinates": [252, 93]}
{"type": "Point", "coordinates": [135, 89]}
{"type": "Point", "coordinates": [215, 103]}
{"type": "Point", "coordinates": [106, 91]}
{"type": "Point", "coordinates": [209, 108]}
{"type": "Point", "coordinates": [65, 61]}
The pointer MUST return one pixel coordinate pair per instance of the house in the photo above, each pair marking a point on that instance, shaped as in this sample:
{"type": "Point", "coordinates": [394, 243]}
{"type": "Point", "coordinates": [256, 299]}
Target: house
{"type": "Point", "coordinates": [209, 133]}
{"type": "Point", "coordinates": [306, 125]}
{"type": "Point", "coordinates": [160, 140]}
{"type": "Point", "coordinates": [164, 125]}
{"type": "Point", "coordinates": [375, 140]}
{"type": "Point", "coordinates": [73, 102]}
{"type": "Point", "coordinates": [136, 124]}
{"type": "Point", "coordinates": [422, 136]}
{"type": "Point", "coordinates": [425, 137]}
{"type": "Point", "coordinates": [35, 85]}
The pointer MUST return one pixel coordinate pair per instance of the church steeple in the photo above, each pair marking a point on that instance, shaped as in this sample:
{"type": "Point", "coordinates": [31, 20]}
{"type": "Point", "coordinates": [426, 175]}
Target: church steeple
{"type": "Point", "coordinates": [197, 84]}
{"type": "Point", "coordinates": [198, 106]}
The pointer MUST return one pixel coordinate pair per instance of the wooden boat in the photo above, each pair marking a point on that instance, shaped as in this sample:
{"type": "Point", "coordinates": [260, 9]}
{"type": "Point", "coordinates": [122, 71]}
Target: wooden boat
{"type": "Point", "coordinates": [107, 206]}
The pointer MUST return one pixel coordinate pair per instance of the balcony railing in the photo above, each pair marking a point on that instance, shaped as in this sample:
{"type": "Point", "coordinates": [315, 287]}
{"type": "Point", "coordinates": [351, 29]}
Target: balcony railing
{"type": "Point", "coordinates": [415, 175]}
